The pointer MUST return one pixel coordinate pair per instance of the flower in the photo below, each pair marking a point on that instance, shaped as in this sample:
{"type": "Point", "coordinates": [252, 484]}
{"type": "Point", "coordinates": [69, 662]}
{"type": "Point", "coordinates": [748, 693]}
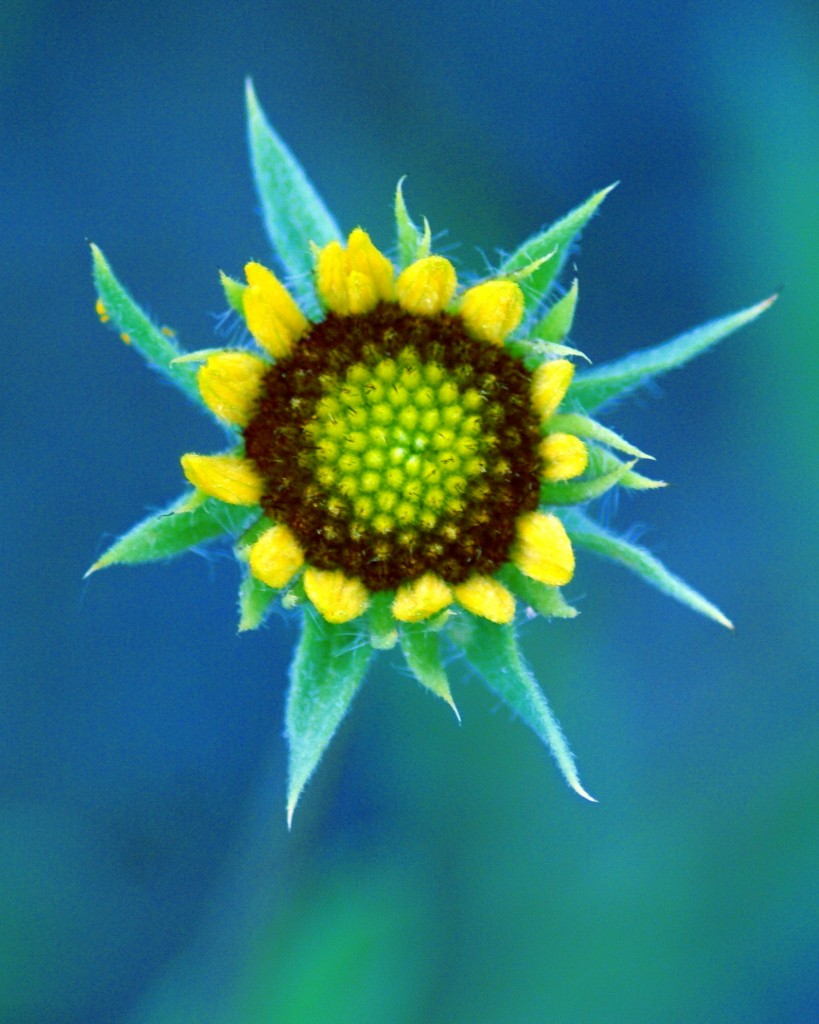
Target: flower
{"type": "Point", "coordinates": [395, 445]}
{"type": "Point", "coordinates": [410, 458]}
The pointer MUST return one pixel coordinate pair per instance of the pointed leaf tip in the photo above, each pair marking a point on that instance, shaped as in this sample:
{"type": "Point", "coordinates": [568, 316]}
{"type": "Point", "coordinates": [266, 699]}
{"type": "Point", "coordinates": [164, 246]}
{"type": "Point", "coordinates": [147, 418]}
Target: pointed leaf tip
{"type": "Point", "coordinates": [592, 388]}
{"type": "Point", "coordinates": [184, 524]}
{"type": "Point", "coordinates": [294, 213]}
{"type": "Point", "coordinates": [421, 647]}
{"type": "Point", "coordinates": [413, 244]}
{"type": "Point", "coordinates": [155, 345]}
{"type": "Point", "coordinates": [582, 792]}
{"type": "Point", "coordinates": [493, 651]}
{"type": "Point", "coordinates": [325, 676]}
{"type": "Point", "coordinates": [555, 244]}
{"type": "Point", "coordinates": [588, 534]}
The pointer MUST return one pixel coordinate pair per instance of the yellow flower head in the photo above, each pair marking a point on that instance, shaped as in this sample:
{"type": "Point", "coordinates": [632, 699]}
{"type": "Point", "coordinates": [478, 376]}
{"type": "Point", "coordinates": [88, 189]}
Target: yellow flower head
{"type": "Point", "coordinates": [409, 456]}
{"type": "Point", "coordinates": [394, 446]}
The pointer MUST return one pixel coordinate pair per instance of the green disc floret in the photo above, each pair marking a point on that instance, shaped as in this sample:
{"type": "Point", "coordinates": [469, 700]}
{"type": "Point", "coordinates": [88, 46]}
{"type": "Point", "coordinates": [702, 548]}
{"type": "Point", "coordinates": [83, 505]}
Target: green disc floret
{"type": "Point", "coordinates": [400, 438]}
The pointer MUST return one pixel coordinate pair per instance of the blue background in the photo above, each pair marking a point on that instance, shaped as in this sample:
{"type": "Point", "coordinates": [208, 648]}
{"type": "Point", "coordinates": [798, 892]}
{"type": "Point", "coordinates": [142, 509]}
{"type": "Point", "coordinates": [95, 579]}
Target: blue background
{"type": "Point", "coordinates": [434, 872]}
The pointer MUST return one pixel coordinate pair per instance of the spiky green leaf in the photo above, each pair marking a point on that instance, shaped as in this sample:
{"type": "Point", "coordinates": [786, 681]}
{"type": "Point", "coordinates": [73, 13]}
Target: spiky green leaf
{"type": "Point", "coordinates": [592, 388]}
{"type": "Point", "coordinates": [181, 526]}
{"type": "Point", "coordinates": [603, 463]}
{"type": "Point", "coordinates": [201, 355]}
{"type": "Point", "coordinates": [326, 674]}
{"type": "Point", "coordinates": [545, 600]}
{"type": "Point", "coordinates": [557, 322]}
{"type": "Point", "coordinates": [534, 353]}
{"type": "Point", "coordinates": [575, 492]}
{"type": "Point", "coordinates": [596, 538]}
{"type": "Point", "coordinates": [382, 625]}
{"type": "Point", "coordinates": [585, 427]}
{"type": "Point", "coordinates": [422, 649]}
{"type": "Point", "coordinates": [493, 651]}
{"type": "Point", "coordinates": [555, 240]}
{"type": "Point", "coordinates": [413, 244]}
{"type": "Point", "coordinates": [156, 347]}
{"type": "Point", "coordinates": [294, 213]}
{"type": "Point", "coordinates": [255, 601]}
{"type": "Point", "coordinates": [234, 293]}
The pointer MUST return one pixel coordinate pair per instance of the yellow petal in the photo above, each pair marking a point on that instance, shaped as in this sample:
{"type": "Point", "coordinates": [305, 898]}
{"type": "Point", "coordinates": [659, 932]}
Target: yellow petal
{"type": "Point", "coordinates": [272, 314]}
{"type": "Point", "coordinates": [421, 598]}
{"type": "Point", "coordinates": [365, 258]}
{"type": "Point", "coordinates": [564, 457]}
{"type": "Point", "coordinates": [229, 478]}
{"type": "Point", "coordinates": [229, 383]}
{"type": "Point", "coordinates": [336, 597]}
{"type": "Point", "coordinates": [276, 557]}
{"type": "Point", "coordinates": [484, 596]}
{"type": "Point", "coordinates": [361, 292]}
{"type": "Point", "coordinates": [492, 310]}
{"type": "Point", "coordinates": [543, 549]}
{"type": "Point", "coordinates": [426, 286]}
{"type": "Point", "coordinates": [331, 278]}
{"type": "Point", "coordinates": [355, 279]}
{"type": "Point", "coordinates": [550, 382]}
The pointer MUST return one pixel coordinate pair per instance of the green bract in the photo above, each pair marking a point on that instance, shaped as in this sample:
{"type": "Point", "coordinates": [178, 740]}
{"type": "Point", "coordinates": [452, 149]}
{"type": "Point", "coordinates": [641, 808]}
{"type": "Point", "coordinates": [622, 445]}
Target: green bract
{"type": "Point", "coordinates": [407, 464]}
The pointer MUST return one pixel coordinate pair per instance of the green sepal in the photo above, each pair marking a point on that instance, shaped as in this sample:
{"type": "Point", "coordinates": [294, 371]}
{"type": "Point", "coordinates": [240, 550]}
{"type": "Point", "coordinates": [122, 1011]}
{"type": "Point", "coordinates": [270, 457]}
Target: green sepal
{"type": "Point", "coordinates": [533, 353]}
{"type": "Point", "coordinates": [294, 596]}
{"type": "Point", "coordinates": [157, 348]}
{"type": "Point", "coordinates": [412, 243]}
{"type": "Point", "coordinates": [546, 601]}
{"type": "Point", "coordinates": [554, 242]}
{"type": "Point", "coordinates": [557, 323]}
{"type": "Point", "coordinates": [421, 646]}
{"type": "Point", "coordinates": [591, 430]}
{"type": "Point", "coordinates": [575, 492]}
{"type": "Point", "coordinates": [201, 355]}
{"type": "Point", "coordinates": [326, 674]}
{"type": "Point", "coordinates": [234, 293]}
{"type": "Point", "coordinates": [255, 601]}
{"type": "Point", "coordinates": [255, 597]}
{"type": "Point", "coordinates": [181, 526]}
{"type": "Point", "coordinates": [602, 462]}
{"type": "Point", "coordinates": [250, 535]}
{"type": "Point", "coordinates": [382, 624]}
{"type": "Point", "coordinates": [493, 651]}
{"type": "Point", "coordinates": [592, 388]}
{"type": "Point", "coordinates": [294, 213]}
{"type": "Point", "coordinates": [595, 538]}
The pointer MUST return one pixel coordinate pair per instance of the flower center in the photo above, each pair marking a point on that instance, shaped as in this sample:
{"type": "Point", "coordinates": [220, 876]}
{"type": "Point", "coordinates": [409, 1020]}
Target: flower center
{"type": "Point", "coordinates": [394, 445]}
{"type": "Point", "coordinates": [400, 443]}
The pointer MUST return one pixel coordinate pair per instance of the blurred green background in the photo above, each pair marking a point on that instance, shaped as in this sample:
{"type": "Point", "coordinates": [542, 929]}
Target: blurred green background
{"type": "Point", "coordinates": [435, 873]}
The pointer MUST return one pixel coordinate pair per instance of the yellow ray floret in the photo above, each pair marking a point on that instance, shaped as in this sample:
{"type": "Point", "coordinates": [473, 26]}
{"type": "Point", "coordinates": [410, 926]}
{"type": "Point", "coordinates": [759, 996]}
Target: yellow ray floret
{"type": "Point", "coordinates": [492, 310]}
{"type": "Point", "coordinates": [426, 287]}
{"type": "Point", "coordinates": [550, 382]}
{"type": "Point", "coordinates": [335, 596]}
{"type": "Point", "coordinates": [543, 550]}
{"type": "Point", "coordinates": [485, 596]}
{"type": "Point", "coordinates": [273, 317]}
{"type": "Point", "coordinates": [564, 457]}
{"type": "Point", "coordinates": [276, 557]}
{"type": "Point", "coordinates": [355, 279]}
{"type": "Point", "coordinates": [365, 258]}
{"type": "Point", "coordinates": [229, 383]}
{"type": "Point", "coordinates": [229, 478]}
{"type": "Point", "coordinates": [421, 598]}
